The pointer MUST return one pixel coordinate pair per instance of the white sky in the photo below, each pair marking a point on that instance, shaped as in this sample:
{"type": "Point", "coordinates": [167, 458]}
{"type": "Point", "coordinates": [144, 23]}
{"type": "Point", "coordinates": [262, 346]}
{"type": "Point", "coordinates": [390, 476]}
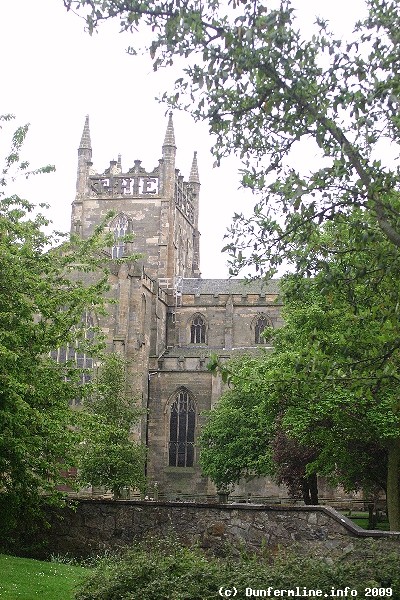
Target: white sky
{"type": "Point", "coordinates": [53, 74]}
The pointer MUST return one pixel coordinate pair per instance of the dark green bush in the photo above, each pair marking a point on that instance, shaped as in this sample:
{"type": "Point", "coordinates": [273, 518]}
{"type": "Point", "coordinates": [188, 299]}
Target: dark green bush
{"type": "Point", "coordinates": [164, 570]}
{"type": "Point", "coordinates": [152, 571]}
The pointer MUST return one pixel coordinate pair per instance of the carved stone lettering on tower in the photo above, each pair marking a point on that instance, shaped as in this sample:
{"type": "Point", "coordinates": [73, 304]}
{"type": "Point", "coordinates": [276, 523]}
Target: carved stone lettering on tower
{"type": "Point", "coordinates": [124, 185]}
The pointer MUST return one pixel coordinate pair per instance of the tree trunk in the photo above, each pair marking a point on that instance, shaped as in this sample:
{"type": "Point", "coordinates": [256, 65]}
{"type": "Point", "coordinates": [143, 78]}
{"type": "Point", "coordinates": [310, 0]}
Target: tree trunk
{"type": "Point", "coordinates": [117, 493]}
{"type": "Point", "coordinates": [393, 485]}
{"type": "Point", "coordinates": [313, 485]}
{"type": "Point", "coordinates": [305, 491]}
{"type": "Point", "coordinates": [310, 490]}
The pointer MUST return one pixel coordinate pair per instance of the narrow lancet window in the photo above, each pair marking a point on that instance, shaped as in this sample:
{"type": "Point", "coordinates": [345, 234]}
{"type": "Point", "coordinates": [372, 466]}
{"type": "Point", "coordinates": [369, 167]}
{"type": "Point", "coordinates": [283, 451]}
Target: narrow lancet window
{"type": "Point", "coordinates": [74, 353]}
{"type": "Point", "coordinates": [181, 430]}
{"type": "Point", "coordinates": [198, 331]}
{"type": "Point", "coordinates": [261, 324]}
{"type": "Point", "coordinates": [120, 230]}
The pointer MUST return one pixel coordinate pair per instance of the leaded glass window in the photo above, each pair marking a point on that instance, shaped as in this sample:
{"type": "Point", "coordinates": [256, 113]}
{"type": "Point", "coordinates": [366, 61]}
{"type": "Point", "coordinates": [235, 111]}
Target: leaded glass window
{"type": "Point", "coordinates": [73, 353]}
{"type": "Point", "coordinates": [181, 430]}
{"type": "Point", "coordinates": [198, 330]}
{"type": "Point", "coordinates": [261, 324]}
{"type": "Point", "coordinates": [120, 230]}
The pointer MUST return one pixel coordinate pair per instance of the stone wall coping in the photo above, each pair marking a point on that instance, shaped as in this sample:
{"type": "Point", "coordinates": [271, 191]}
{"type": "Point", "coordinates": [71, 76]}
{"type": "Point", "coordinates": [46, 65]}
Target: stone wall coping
{"type": "Point", "coordinates": [284, 508]}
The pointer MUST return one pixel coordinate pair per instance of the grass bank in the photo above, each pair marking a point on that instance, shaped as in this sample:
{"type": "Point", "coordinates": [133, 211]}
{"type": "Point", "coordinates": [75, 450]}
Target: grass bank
{"type": "Point", "coordinates": [26, 579]}
{"type": "Point", "coordinates": [361, 519]}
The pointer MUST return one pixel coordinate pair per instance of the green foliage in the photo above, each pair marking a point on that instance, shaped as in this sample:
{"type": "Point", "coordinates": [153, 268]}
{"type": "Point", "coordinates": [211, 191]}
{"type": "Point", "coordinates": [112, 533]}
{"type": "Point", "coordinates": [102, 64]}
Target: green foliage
{"type": "Point", "coordinates": [42, 299]}
{"type": "Point", "coordinates": [108, 455]}
{"type": "Point", "coordinates": [235, 441]}
{"type": "Point", "coordinates": [179, 573]}
{"type": "Point", "coordinates": [331, 383]}
{"type": "Point", "coordinates": [264, 90]}
{"type": "Point", "coordinates": [153, 568]}
{"type": "Point", "coordinates": [242, 437]}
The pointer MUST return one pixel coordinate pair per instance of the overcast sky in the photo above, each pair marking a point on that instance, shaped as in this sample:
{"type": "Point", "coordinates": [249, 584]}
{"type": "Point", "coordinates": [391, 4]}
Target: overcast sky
{"type": "Point", "coordinates": [53, 74]}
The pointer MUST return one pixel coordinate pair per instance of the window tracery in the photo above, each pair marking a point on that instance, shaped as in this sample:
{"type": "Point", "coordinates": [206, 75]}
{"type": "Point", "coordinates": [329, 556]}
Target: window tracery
{"type": "Point", "coordinates": [198, 330]}
{"type": "Point", "coordinates": [73, 351]}
{"type": "Point", "coordinates": [261, 324]}
{"type": "Point", "coordinates": [119, 227]}
{"type": "Point", "coordinates": [182, 424]}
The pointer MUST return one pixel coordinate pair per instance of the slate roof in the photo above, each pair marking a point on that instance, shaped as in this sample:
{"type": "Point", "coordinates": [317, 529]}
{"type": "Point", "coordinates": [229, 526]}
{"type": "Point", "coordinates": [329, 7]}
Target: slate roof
{"type": "Point", "coordinates": [229, 286]}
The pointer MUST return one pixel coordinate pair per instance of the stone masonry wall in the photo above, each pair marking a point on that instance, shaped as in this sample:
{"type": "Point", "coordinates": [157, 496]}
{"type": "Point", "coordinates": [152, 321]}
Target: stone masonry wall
{"type": "Point", "coordinates": [95, 525]}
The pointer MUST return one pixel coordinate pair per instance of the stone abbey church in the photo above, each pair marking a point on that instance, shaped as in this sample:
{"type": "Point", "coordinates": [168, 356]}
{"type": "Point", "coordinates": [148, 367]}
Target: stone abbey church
{"type": "Point", "coordinates": [167, 320]}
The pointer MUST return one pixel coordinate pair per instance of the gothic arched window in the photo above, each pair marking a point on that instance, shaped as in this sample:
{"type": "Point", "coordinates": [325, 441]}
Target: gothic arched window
{"type": "Point", "coordinates": [73, 351]}
{"type": "Point", "coordinates": [198, 330]}
{"type": "Point", "coordinates": [261, 324]}
{"type": "Point", "coordinates": [182, 424]}
{"type": "Point", "coordinates": [120, 228]}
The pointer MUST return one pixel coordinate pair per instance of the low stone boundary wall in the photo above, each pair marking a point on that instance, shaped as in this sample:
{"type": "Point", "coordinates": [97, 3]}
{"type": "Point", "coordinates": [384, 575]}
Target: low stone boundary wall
{"type": "Point", "coordinates": [91, 526]}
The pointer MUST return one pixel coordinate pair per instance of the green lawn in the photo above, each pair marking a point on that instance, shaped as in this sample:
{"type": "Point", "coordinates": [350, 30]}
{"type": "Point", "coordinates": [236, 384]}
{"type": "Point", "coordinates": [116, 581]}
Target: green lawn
{"type": "Point", "coordinates": [26, 579]}
{"type": "Point", "coordinates": [361, 519]}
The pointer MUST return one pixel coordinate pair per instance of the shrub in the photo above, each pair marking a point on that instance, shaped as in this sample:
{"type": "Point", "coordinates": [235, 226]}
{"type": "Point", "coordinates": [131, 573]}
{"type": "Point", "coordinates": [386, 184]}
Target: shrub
{"type": "Point", "coordinates": [164, 569]}
{"type": "Point", "coordinates": [152, 570]}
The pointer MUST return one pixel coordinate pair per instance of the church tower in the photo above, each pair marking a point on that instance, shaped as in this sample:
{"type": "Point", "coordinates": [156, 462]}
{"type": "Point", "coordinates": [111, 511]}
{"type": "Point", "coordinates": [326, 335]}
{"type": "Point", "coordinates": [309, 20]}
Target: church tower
{"type": "Point", "coordinates": [159, 209]}
{"type": "Point", "coordinates": [157, 206]}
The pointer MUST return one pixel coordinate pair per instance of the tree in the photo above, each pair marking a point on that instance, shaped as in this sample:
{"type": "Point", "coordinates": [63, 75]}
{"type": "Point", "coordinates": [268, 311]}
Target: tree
{"type": "Point", "coordinates": [264, 89]}
{"type": "Point", "coordinates": [41, 308]}
{"type": "Point", "coordinates": [238, 441]}
{"type": "Point", "coordinates": [291, 461]}
{"type": "Point", "coordinates": [332, 380]}
{"type": "Point", "coordinates": [235, 441]}
{"type": "Point", "coordinates": [108, 455]}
